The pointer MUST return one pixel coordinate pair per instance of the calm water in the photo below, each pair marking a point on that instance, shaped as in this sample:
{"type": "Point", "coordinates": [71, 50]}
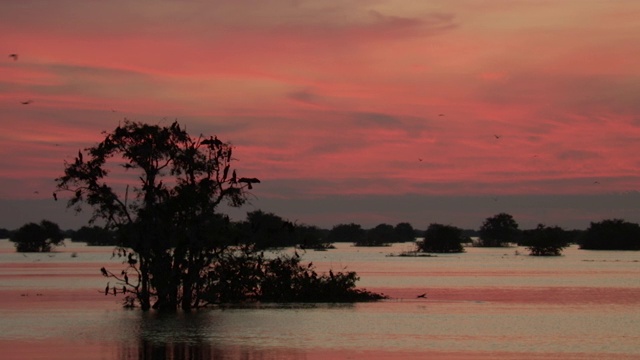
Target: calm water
{"type": "Point", "coordinates": [483, 304]}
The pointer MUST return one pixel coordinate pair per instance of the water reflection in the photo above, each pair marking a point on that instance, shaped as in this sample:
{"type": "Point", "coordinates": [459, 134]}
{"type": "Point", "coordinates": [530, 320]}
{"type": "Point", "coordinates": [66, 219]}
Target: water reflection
{"type": "Point", "coordinates": [208, 334]}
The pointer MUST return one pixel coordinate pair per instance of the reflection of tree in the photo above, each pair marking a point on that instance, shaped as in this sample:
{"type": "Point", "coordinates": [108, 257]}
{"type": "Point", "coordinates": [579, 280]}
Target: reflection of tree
{"type": "Point", "coordinates": [187, 336]}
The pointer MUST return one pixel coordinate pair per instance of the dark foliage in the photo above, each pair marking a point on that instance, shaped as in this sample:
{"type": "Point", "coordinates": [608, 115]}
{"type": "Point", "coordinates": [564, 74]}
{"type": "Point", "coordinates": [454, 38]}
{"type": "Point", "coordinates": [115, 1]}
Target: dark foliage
{"type": "Point", "coordinates": [267, 230]}
{"type": "Point", "coordinates": [95, 236]}
{"type": "Point", "coordinates": [404, 232]}
{"type": "Point", "coordinates": [34, 237]}
{"type": "Point", "coordinates": [165, 215]}
{"type": "Point", "coordinates": [499, 230]}
{"type": "Point", "coordinates": [440, 238]}
{"type": "Point", "coordinates": [545, 240]}
{"type": "Point", "coordinates": [347, 233]}
{"type": "Point", "coordinates": [4, 233]}
{"type": "Point", "coordinates": [243, 274]}
{"type": "Point", "coordinates": [615, 234]}
{"type": "Point", "coordinates": [381, 235]}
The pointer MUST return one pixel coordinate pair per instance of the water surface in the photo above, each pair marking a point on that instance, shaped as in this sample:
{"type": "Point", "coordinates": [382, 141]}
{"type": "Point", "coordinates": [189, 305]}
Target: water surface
{"type": "Point", "coordinates": [483, 304]}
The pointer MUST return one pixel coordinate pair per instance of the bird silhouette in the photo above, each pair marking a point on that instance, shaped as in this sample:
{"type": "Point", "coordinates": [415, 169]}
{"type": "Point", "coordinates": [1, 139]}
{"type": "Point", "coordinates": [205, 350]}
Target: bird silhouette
{"type": "Point", "coordinates": [55, 196]}
{"type": "Point", "coordinates": [212, 141]}
{"type": "Point", "coordinates": [424, 296]}
{"type": "Point", "coordinates": [14, 57]}
{"type": "Point", "coordinates": [104, 271]}
{"type": "Point", "coordinates": [248, 181]}
{"type": "Point", "coordinates": [26, 102]}
{"type": "Point", "coordinates": [497, 136]}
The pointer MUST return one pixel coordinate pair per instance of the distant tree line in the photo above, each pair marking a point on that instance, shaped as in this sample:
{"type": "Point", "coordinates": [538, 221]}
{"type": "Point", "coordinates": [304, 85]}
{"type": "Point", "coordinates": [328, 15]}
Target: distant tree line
{"type": "Point", "coordinates": [264, 230]}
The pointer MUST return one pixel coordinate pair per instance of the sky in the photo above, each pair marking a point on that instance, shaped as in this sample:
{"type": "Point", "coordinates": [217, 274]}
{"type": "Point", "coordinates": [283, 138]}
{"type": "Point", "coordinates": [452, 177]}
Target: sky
{"type": "Point", "coordinates": [367, 112]}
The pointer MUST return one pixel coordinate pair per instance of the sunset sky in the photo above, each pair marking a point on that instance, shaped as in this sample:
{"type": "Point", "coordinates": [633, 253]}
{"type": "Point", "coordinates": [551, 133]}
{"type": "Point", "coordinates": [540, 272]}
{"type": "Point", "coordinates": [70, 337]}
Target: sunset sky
{"type": "Point", "coordinates": [446, 111]}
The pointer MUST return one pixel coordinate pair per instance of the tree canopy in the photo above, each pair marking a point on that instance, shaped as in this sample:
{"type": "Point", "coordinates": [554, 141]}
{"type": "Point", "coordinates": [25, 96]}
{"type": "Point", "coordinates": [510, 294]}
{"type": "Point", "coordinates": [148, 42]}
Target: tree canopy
{"type": "Point", "coordinates": [612, 234]}
{"type": "Point", "coordinates": [439, 238]}
{"type": "Point", "coordinates": [499, 230]}
{"type": "Point", "coordinates": [545, 240]}
{"type": "Point", "coordinates": [34, 237]}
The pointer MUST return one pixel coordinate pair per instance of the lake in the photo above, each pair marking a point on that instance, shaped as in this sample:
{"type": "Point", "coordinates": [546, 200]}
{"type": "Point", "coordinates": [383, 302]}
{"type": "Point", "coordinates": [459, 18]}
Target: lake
{"type": "Point", "coordinates": [487, 303]}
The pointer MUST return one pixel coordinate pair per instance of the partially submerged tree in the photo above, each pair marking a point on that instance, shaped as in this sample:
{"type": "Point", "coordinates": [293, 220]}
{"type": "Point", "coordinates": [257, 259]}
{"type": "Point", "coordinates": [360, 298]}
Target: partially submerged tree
{"type": "Point", "coordinates": [441, 239]}
{"type": "Point", "coordinates": [381, 235]}
{"type": "Point", "coordinates": [166, 219]}
{"type": "Point", "coordinates": [404, 232]}
{"type": "Point", "coordinates": [612, 234]}
{"type": "Point", "coordinates": [545, 240]}
{"type": "Point", "coordinates": [95, 236]}
{"type": "Point", "coordinates": [34, 237]}
{"type": "Point", "coordinates": [161, 202]}
{"type": "Point", "coordinates": [499, 230]}
{"type": "Point", "coordinates": [347, 233]}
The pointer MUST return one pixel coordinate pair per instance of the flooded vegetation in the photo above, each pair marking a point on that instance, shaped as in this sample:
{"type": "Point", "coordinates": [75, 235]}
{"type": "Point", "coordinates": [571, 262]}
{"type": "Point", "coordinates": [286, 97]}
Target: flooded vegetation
{"type": "Point", "coordinates": [483, 303]}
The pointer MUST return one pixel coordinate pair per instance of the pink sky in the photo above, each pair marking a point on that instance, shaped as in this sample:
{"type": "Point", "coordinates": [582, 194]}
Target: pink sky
{"type": "Point", "coordinates": [348, 111]}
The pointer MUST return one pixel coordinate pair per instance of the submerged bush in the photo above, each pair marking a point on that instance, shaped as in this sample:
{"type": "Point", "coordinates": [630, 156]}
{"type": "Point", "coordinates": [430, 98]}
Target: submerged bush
{"type": "Point", "coordinates": [243, 275]}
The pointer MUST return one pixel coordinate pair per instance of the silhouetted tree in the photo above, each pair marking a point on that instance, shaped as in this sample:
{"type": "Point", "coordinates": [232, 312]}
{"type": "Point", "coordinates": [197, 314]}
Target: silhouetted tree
{"type": "Point", "coordinates": [615, 234]}
{"type": "Point", "coordinates": [404, 232]}
{"type": "Point", "coordinates": [499, 230]}
{"type": "Point", "coordinates": [545, 240]}
{"type": "Point", "coordinates": [95, 235]}
{"type": "Point", "coordinates": [34, 237]}
{"type": "Point", "coordinates": [440, 238]}
{"type": "Point", "coordinates": [166, 216]}
{"type": "Point", "coordinates": [346, 233]}
{"type": "Point", "coordinates": [381, 235]}
{"type": "Point", "coordinates": [311, 237]}
{"type": "Point", "coordinates": [267, 230]}
{"type": "Point", "coordinates": [178, 251]}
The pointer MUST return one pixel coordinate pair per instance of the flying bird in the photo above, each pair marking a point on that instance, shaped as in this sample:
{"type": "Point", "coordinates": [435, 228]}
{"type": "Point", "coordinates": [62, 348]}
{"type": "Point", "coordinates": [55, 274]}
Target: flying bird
{"type": "Point", "coordinates": [27, 102]}
{"type": "Point", "coordinates": [14, 57]}
{"type": "Point", "coordinates": [424, 296]}
{"type": "Point", "coordinates": [497, 136]}
{"type": "Point", "coordinates": [212, 141]}
{"type": "Point", "coordinates": [248, 181]}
